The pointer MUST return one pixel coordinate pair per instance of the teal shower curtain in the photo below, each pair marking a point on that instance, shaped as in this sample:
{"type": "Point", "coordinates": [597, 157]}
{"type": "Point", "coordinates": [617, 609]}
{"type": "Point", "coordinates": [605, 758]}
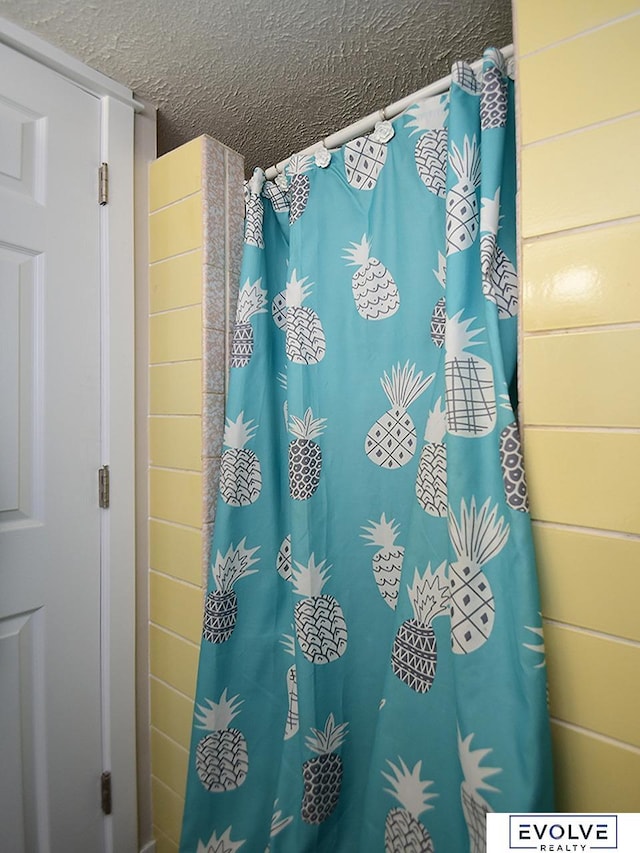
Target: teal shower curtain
{"type": "Point", "coordinates": [372, 670]}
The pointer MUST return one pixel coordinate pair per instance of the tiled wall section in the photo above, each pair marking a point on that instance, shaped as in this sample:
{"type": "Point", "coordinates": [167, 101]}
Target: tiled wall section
{"type": "Point", "coordinates": [579, 102]}
{"type": "Point", "coordinates": [195, 249]}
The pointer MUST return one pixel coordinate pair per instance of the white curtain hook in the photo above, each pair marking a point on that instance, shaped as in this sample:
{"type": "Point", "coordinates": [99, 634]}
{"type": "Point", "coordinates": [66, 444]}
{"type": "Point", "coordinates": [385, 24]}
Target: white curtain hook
{"type": "Point", "coordinates": [281, 180]}
{"type": "Point", "coordinates": [382, 132]}
{"type": "Point", "coordinates": [322, 156]}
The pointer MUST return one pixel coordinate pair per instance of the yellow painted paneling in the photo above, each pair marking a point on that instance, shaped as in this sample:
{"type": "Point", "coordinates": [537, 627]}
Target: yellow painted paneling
{"type": "Point", "coordinates": [553, 84]}
{"type": "Point", "coordinates": [593, 682]}
{"type": "Point", "coordinates": [176, 551]}
{"type": "Point", "coordinates": [176, 442]}
{"type": "Point", "coordinates": [176, 496]}
{"type": "Point", "coordinates": [588, 580]}
{"type": "Point", "coordinates": [593, 775]}
{"type": "Point", "coordinates": [176, 174]}
{"type": "Point", "coordinates": [175, 282]}
{"type": "Point", "coordinates": [176, 606]}
{"type": "Point", "coordinates": [169, 762]}
{"type": "Point", "coordinates": [580, 179]}
{"type": "Point", "coordinates": [171, 712]}
{"type": "Point", "coordinates": [175, 389]}
{"type": "Point", "coordinates": [543, 22]}
{"type": "Point", "coordinates": [582, 279]}
{"type": "Point", "coordinates": [163, 843]}
{"type": "Point", "coordinates": [175, 335]}
{"type": "Point", "coordinates": [584, 478]}
{"type": "Point", "coordinates": [581, 379]}
{"type": "Point", "coordinates": [167, 809]}
{"type": "Point", "coordinates": [176, 229]}
{"type": "Point", "coordinates": [173, 660]}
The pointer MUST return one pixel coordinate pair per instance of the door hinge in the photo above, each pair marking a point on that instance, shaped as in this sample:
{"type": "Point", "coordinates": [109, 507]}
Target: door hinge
{"type": "Point", "coordinates": [105, 792]}
{"type": "Point", "coordinates": [103, 183]}
{"type": "Point", "coordinates": [103, 487]}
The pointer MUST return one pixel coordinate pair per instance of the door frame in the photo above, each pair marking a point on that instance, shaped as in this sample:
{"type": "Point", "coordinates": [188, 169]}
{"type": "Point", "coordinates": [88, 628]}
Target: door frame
{"type": "Point", "coordinates": [118, 108]}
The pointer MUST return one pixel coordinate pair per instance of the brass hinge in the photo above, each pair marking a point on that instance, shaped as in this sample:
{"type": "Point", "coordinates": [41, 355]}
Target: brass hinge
{"type": "Point", "coordinates": [103, 183]}
{"type": "Point", "coordinates": [103, 487]}
{"type": "Point", "coordinates": [105, 791]}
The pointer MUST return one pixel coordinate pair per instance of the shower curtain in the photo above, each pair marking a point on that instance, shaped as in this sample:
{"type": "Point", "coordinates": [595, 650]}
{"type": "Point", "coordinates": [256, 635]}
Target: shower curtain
{"type": "Point", "coordinates": [372, 669]}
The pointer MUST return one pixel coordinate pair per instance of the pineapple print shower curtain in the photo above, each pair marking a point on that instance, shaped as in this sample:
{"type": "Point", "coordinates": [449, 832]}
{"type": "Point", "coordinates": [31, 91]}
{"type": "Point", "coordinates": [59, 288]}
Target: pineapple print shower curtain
{"type": "Point", "coordinates": [372, 667]}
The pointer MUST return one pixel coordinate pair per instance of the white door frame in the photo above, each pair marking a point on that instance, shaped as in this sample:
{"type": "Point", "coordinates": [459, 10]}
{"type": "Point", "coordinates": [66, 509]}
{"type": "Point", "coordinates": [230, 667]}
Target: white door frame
{"type": "Point", "coordinates": [117, 425]}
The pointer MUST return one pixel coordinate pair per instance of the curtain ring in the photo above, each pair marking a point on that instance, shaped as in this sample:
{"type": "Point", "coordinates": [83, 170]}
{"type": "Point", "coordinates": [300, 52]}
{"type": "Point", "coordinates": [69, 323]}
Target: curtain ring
{"type": "Point", "coordinates": [383, 114]}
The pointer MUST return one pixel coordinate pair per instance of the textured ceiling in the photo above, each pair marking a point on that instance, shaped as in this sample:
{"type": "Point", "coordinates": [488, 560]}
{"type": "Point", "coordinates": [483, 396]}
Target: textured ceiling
{"type": "Point", "coordinates": [266, 77]}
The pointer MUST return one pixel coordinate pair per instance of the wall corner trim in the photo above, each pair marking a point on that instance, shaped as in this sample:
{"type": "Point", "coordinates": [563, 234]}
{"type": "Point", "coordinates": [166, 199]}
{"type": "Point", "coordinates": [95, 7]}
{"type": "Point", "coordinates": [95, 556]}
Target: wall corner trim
{"type": "Point", "coordinates": [73, 69]}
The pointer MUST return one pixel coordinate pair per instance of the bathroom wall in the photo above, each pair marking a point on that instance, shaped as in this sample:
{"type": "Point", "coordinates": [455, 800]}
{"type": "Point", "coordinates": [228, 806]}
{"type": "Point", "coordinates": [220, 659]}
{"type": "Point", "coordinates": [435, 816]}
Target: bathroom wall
{"type": "Point", "coordinates": [195, 245]}
{"type": "Point", "coordinates": [579, 126]}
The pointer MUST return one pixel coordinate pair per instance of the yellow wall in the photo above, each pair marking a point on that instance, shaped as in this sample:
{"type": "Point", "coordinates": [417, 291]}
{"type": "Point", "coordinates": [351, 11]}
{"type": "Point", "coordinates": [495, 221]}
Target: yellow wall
{"type": "Point", "coordinates": [579, 126]}
{"type": "Point", "coordinates": [194, 249]}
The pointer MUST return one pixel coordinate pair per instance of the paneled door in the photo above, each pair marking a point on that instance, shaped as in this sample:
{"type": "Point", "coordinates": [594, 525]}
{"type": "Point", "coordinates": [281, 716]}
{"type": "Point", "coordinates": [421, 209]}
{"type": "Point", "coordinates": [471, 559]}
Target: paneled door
{"type": "Point", "coordinates": [50, 453]}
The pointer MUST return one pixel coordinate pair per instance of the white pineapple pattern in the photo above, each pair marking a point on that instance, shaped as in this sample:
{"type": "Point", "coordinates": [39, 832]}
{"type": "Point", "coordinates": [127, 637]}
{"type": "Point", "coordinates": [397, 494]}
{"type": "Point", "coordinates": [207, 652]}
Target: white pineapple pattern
{"type": "Point", "coordinates": [428, 119]}
{"type": "Point", "coordinates": [240, 473]}
{"type": "Point", "coordinates": [278, 198]}
{"type": "Point", "coordinates": [464, 76]}
{"type": "Point", "coordinates": [251, 301]}
{"type": "Point", "coordinates": [298, 166]}
{"type": "Point", "coordinates": [387, 561]}
{"type": "Point", "coordinates": [391, 441]}
{"type": "Point", "coordinates": [403, 830]}
{"type": "Point", "coordinates": [322, 775]}
{"type": "Point", "coordinates": [431, 482]}
{"type": "Point", "coordinates": [254, 211]}
{"type": "Point", "coordinates": [499, 277]}
{"type": "Point", "coordinates": [474, 806]}
{"type": "Point", "coordinates": [253, 221]}
{"type": "Point", "coordinates": [283, 559]}
{"type": "Point", "coordinates": [278, 823]}
{"type": "Point", "coordinates": [439, 313]}
{"type": "Point", "coordinates": [538, 645]}
{"type": "Point", "coordinates": [320, 625]}
{"type": "Point", "coordinates": [414, 656]}
{"type": "Point", "coordinates": [493, 95]}
{"type": "Point", "coordinates": [223, 844]}
{"type": "Point", "coordinates": [512, 464]}
{"type": "Point", "coordinates": [469, 384]}
{"type": "Point", "coordinates": [221, 605]}
{"type": "Point", "coordinates": [292, 723]}
{"type": "Point", "coordinates": [363, 162]}
{"type": "Point", "coordinates": [222, 761]}
{"type": "Point", "coordinates": [305, 342]}
{"type": "Point", "coordinates": [305, 455]}
{"type": "Point", "coordinates": [283, 382]}
{"type": "Point", "coordinates": [462, 214]}
{"type": "Point", "coordinates": [476, 538]}
{"type": "Point", "coordinates": [374, 290]}
{"type": "Point", "coordinates": [279, 309]}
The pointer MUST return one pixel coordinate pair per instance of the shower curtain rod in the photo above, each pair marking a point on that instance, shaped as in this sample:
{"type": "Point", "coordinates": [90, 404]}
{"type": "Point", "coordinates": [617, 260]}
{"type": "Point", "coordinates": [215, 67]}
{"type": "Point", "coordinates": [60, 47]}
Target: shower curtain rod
{"type": "Point", "coordinates": [364, 125]}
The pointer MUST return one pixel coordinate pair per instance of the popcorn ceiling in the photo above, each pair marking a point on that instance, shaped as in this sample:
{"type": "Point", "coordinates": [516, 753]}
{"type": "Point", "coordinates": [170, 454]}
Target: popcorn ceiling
{"type": "Point", "coordinates": [266, 77]}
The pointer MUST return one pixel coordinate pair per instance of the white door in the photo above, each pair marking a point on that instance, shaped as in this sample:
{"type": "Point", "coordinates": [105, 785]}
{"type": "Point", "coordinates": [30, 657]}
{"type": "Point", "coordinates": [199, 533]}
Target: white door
{"type": "Point", "coordinates": [50, 452]}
